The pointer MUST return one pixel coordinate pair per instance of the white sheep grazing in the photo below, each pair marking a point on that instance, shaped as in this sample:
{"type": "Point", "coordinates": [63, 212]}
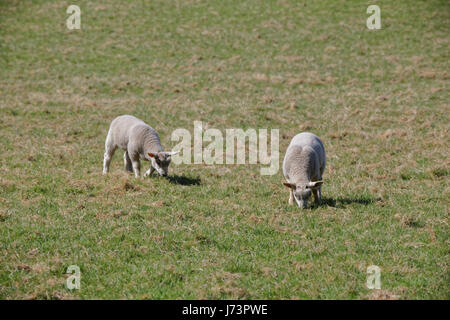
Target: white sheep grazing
{"type": "Point", "coordinates": [140, 141]}
{"type": "Point", "coordinates": [303, 167]}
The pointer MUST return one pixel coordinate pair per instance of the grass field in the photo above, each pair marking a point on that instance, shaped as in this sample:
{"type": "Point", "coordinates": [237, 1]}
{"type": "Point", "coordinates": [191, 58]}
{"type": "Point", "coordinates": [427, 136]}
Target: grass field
{"type": "Point", "coordinates": [378, 99]}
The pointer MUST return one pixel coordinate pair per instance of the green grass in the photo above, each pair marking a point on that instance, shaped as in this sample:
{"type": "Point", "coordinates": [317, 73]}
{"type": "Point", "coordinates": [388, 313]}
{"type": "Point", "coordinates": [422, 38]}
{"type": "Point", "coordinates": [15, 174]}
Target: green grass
{"type": "Point", "coordinates": [378, 99]}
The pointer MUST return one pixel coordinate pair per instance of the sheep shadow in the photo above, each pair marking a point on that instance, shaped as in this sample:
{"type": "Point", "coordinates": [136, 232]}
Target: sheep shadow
{"type": "Point", "coordinates": [184, 181]}
{"type": "Point", "coordinates": [342, 202]}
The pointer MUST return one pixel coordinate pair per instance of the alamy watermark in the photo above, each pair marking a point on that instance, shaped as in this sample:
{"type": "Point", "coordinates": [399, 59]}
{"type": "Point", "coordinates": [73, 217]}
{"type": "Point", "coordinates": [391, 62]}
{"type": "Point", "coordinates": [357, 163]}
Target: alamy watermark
{"type": "Point", "coordinates": [234, 143]}
{"type": "Point", "coordinates": [74, 20]}
{"type": "Point", "coordinates": [74, 280]}
{"type": "Point", "coordinates": [374, 21]}
{"type": "Point", "coordinates": [373, 280]}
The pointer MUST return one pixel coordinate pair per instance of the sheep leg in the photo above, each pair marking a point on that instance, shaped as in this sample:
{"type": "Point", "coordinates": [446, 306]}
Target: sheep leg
{"type": "Point", "coordinates": [136, 168]}
{"type": "Point", "coordinates": [149, 172]}
{"type": "Point", "coordinates": [135, 163]}
{"type": "Point", "coordinates": [109, 152]}
{"type": "Point", "coordinates": [127, 162]}
{"type": "Point", "coordinates": [317, 195]}
{"type": "Point", "coordinates": [291, 196]}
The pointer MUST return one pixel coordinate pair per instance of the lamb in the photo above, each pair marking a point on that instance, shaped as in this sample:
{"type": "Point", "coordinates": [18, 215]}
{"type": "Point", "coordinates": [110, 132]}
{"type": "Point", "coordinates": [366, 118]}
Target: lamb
{"type": "Point", "coordinates": [303, 166]}
{"type": "Point", "coordinates": [140, 141]}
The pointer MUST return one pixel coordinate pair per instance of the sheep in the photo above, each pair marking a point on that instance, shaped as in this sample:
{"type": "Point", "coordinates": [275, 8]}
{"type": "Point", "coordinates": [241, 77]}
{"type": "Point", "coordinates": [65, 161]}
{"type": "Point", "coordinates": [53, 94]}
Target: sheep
{"type": "Point", "coordinates": [140, 141]}
{"type": "Point", "coordinates": [303, 166]}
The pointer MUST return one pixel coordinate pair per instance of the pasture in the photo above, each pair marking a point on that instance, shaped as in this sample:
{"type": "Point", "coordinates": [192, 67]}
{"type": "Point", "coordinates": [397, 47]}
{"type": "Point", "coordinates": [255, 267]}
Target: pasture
{"type": "Point", "coordinates": [377, 98]}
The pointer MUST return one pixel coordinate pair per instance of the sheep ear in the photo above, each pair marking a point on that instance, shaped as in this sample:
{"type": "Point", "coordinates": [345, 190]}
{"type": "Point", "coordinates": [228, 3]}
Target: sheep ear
{"type": "Point", "coordinates": [172, 153]}
{"type": "Point", "coordinates": [152, 155]}
{"type": "Point", "coordinates": [289, 185]}
{"type": "Point", "coordinates": [315, 184]}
